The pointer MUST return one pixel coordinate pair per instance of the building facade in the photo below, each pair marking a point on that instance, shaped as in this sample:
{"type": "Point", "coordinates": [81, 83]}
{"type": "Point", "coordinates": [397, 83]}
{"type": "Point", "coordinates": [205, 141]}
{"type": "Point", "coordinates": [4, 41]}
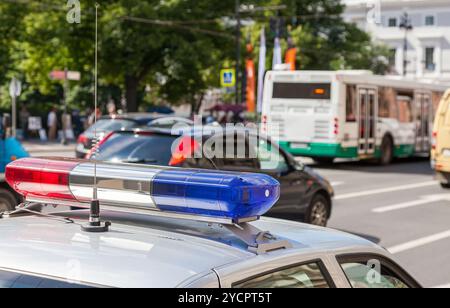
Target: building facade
{"type": "Point", "coordinates": [416, 31]}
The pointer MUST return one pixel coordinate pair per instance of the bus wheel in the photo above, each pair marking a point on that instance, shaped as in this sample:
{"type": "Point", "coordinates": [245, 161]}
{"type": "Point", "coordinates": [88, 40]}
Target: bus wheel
{"type": "Point", "coordinates": [387, 151]}
{"type": "Point", "coordinates": [323, 160]}
{"type": "Point", "coordinates": [8, 201]}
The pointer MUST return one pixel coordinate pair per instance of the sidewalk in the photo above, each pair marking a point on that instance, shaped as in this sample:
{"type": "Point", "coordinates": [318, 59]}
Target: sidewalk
{"type": "Point", "coordinates": [47, 147]}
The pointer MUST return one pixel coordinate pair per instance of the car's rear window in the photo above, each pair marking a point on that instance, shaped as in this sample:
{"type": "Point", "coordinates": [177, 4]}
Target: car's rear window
{"type": "Point", "coordinates": [111, 125]}
{"type": "Point", "coordinates": [137, 148]}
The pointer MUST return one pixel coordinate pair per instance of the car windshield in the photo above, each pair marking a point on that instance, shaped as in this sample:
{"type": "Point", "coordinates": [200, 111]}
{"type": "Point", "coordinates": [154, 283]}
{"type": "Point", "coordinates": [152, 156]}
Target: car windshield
{"type": "Point", "coordinates": [137, 148]}
{"type": "Point", "coordinates": [111, 125]}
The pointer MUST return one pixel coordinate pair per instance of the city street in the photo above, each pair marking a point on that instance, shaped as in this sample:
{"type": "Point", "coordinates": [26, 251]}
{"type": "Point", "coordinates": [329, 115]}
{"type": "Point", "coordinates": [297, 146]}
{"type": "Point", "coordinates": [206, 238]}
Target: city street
{"type": "Point", "coordinates": [399, 207]}
{"type": "Point", "coordinates": [39, 149]}
{"type": "Point", "coordinates": [193, 116]}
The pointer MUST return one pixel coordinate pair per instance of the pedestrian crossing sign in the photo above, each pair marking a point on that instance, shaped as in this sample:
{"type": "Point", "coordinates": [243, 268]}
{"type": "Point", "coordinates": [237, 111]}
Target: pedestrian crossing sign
{"type": "Point", "coordinates": [228, 78]}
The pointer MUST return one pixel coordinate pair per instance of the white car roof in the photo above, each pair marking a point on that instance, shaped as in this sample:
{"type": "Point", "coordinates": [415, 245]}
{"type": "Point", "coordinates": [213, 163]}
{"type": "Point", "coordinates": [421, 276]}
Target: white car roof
{"type": "Point", "coordinates": [144, 251]}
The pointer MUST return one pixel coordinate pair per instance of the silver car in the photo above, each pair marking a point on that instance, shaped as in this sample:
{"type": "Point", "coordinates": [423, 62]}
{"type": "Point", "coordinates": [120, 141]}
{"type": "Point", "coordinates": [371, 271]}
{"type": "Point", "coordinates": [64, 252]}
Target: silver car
{"type": "Point", "coordinates": [170, 227]}
{"type": "Point", "coordinates": [153, 252]}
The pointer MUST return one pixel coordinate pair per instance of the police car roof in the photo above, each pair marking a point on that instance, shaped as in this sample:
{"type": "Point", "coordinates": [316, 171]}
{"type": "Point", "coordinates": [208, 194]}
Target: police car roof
{"type": "Point", "coordinates": [143, 250]}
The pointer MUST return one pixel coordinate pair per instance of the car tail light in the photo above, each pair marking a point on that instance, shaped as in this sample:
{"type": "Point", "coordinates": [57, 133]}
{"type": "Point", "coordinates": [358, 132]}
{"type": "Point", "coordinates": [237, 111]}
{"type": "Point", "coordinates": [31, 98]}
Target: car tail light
{"type": "Point", "coordinates": [434, 141]}
{"type": "Point", "coordinates": [336, 126]}
{"type": "Point", "coordinates": [185, 149]}
{"type": "Point", "coordinates": [83, 139]}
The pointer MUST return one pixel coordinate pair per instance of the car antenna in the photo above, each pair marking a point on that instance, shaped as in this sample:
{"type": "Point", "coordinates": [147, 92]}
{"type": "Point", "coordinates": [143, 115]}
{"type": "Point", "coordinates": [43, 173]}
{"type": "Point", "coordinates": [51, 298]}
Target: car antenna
{"type": "Point", "coordinates": [95, 225]}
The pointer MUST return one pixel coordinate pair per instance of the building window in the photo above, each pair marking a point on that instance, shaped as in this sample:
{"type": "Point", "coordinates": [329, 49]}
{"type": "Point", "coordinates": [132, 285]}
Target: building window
{"type": "Point", "coordinates": [392, 57]}
{"type": "Point", "coordinates": [429, 59]}
{"type": "Point", "coordinates": [430, 20]}
{"type": "Point", "coordinates": [392, 22]}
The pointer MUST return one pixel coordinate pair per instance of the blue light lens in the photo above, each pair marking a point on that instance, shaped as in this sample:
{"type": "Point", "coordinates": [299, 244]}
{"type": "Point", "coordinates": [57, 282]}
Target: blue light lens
{"type": "Point", "coordinates": [214, 193]}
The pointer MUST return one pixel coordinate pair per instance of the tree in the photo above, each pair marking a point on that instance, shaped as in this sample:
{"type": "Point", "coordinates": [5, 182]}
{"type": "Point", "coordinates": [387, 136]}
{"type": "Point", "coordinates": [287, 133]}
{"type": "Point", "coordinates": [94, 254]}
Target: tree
{"type": "Point", "coordinates": [177, 47]}
{"type": "Point", "coordinates": [141, 42]}
{"type": "Point", "coordinates": [10, 31]}
{"type": "Point", "coordinates": [326, 41]}
{"type": "Point", "coordinates": [164, 45]}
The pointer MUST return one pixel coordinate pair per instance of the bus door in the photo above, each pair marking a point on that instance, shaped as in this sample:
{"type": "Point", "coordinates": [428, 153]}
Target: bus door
{"type": "Point", "coordinates": [423, 121]}
{"type": "Point", "coordinates": [367, 120]}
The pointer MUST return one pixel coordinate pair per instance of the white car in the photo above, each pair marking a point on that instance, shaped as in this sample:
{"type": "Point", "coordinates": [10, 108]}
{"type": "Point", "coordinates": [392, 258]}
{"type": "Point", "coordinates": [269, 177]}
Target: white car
{"type": "Point", "coordinates": [206, 236]}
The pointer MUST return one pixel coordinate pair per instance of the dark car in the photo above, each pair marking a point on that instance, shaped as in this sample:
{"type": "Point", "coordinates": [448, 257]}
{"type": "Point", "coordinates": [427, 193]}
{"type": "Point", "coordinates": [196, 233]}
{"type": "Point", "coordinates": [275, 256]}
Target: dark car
{"type": "Point", "coordinates": [108, 124]}
{"type": "Point", "coordinates": [305, 196]}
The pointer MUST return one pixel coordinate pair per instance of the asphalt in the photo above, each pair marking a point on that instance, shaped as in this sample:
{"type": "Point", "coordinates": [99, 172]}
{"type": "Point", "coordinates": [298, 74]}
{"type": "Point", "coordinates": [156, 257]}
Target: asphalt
{"type": "Point", "coordinates": [399, 207]}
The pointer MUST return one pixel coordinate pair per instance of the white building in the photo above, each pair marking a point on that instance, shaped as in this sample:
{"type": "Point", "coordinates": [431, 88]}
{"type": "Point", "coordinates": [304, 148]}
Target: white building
{"type": "Point", "coordinates": [428, 52]}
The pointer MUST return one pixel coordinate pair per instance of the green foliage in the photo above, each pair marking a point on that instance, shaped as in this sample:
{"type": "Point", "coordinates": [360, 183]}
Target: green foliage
{"type": "Point", "coordinates": [176, 47]}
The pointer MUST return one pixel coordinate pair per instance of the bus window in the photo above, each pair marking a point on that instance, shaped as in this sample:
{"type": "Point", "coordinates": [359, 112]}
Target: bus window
{"type": "Point", "coordinates": [351, 104]}
{"type": "Point", "coordinates": [405, 113]}
{"type": "Point", "coordinates": [290, 90]}
{"type": "Point", "coordinates": [388, 106]}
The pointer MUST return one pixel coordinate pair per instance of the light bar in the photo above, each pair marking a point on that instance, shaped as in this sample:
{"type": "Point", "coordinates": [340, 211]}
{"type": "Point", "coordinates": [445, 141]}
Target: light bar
{"type": "Point", "coordinates": [215, 194]}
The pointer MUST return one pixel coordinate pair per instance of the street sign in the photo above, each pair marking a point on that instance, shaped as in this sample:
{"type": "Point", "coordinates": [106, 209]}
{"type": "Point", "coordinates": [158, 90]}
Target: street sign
{"type": "Point", "coordinates": [65, 75]}
{"type": "Point", "coordinates": [74, 76]}
{"type": "Point", "coordinates": [228, 78]}
{"type": "Point", "coordinates": [15, 88]}
{"type": "Point", "coordinates": [34, 123]}
{"type": "Point", "coordinates": [58, 75]}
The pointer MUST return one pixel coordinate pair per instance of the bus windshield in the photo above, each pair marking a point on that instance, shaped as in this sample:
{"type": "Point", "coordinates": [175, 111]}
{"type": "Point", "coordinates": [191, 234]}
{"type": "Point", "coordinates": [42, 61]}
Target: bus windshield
{"type": "Point", "coordinates": [290, 90]}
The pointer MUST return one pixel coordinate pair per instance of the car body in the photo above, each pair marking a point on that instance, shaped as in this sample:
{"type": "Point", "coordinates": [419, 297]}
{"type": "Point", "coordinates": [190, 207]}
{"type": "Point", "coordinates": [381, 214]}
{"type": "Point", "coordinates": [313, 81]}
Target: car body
{"type": "Point", "coordinates": [440, 154]}
{"type": "Point", "coordinates": [305, 195]}
{"type": "Point", "coordinates": [108, 124]}
{"type": "Point", "coordinates": [144, 251]}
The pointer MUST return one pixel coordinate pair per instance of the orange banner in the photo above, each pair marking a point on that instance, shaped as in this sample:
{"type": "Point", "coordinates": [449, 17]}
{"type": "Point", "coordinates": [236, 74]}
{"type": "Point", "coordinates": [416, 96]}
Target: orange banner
{"type": "Point", "coordinates": [251, 86]}
{"type": "Point", "coordinates": [291, 57]}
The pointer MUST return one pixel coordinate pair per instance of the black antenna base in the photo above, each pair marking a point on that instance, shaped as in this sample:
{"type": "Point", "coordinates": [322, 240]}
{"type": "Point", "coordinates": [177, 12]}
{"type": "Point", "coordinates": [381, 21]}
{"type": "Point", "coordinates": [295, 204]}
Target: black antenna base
{"type": "Point", "coordinates": [95, 225]}
{"type": "Point", "coordinates": [100, 227]}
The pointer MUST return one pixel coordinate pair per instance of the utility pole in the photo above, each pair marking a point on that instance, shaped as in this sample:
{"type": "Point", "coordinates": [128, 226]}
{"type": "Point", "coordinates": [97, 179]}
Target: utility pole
{"type": "Point", "coordinates": [238, 52]}
{"type": "Point", "coordinates": [64, 116]}
{"type": "Point", "coordinates": [239, 11]}
{"type": "Point", "coordinates": [406, 26]}
{"type": "Point", "coordinates": [15, 89]}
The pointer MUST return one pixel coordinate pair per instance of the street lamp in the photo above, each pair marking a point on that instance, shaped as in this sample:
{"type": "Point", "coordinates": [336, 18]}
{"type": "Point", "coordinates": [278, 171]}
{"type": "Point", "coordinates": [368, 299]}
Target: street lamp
{"type": "Point", "coordinates": [238, 51]}
{"type": "Point", "coordinates": [405, 25]}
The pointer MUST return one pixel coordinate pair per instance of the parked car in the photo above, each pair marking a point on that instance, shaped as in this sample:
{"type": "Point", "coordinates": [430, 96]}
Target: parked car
{"type": "Point", "coordinates": [440, 153]}
{"type": "Point", "coordinates": [305, 195]}
{"type": "Point", "coordinates": [108, 124]}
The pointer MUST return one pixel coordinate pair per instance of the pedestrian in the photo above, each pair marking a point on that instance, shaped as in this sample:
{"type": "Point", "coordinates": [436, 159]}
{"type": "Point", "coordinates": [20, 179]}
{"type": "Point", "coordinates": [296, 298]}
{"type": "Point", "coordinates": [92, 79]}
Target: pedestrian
{"type": "Point", "coordinates": [111, 107]}
{"type": "Point", "coordinates": [77, 123]}
{"type": "Point", "coordinates": [24, 117]}
{"type": "Point", "coordinates": [52, 124]}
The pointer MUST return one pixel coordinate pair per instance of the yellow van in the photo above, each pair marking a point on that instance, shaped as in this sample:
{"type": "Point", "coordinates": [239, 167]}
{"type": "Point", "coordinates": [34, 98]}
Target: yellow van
{"type": "Point", "coordinates": [440, 153]}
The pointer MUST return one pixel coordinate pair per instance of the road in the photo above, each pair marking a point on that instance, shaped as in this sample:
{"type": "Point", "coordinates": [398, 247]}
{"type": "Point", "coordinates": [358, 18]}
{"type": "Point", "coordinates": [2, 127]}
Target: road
{"type": "Point", "coordinates": [38, 149]}
{"type": "Point", "coordinates": [399, 207]}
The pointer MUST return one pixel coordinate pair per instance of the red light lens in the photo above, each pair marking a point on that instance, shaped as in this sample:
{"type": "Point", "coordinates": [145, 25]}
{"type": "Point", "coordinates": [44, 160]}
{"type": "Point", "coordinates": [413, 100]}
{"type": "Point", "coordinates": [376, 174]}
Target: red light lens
{"type": "Point", "coordinates": [36, 177]}
{"type": "Point", "coordinates": [82, 139]}
{"type": "Point", "coordinates": [185, 149]}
